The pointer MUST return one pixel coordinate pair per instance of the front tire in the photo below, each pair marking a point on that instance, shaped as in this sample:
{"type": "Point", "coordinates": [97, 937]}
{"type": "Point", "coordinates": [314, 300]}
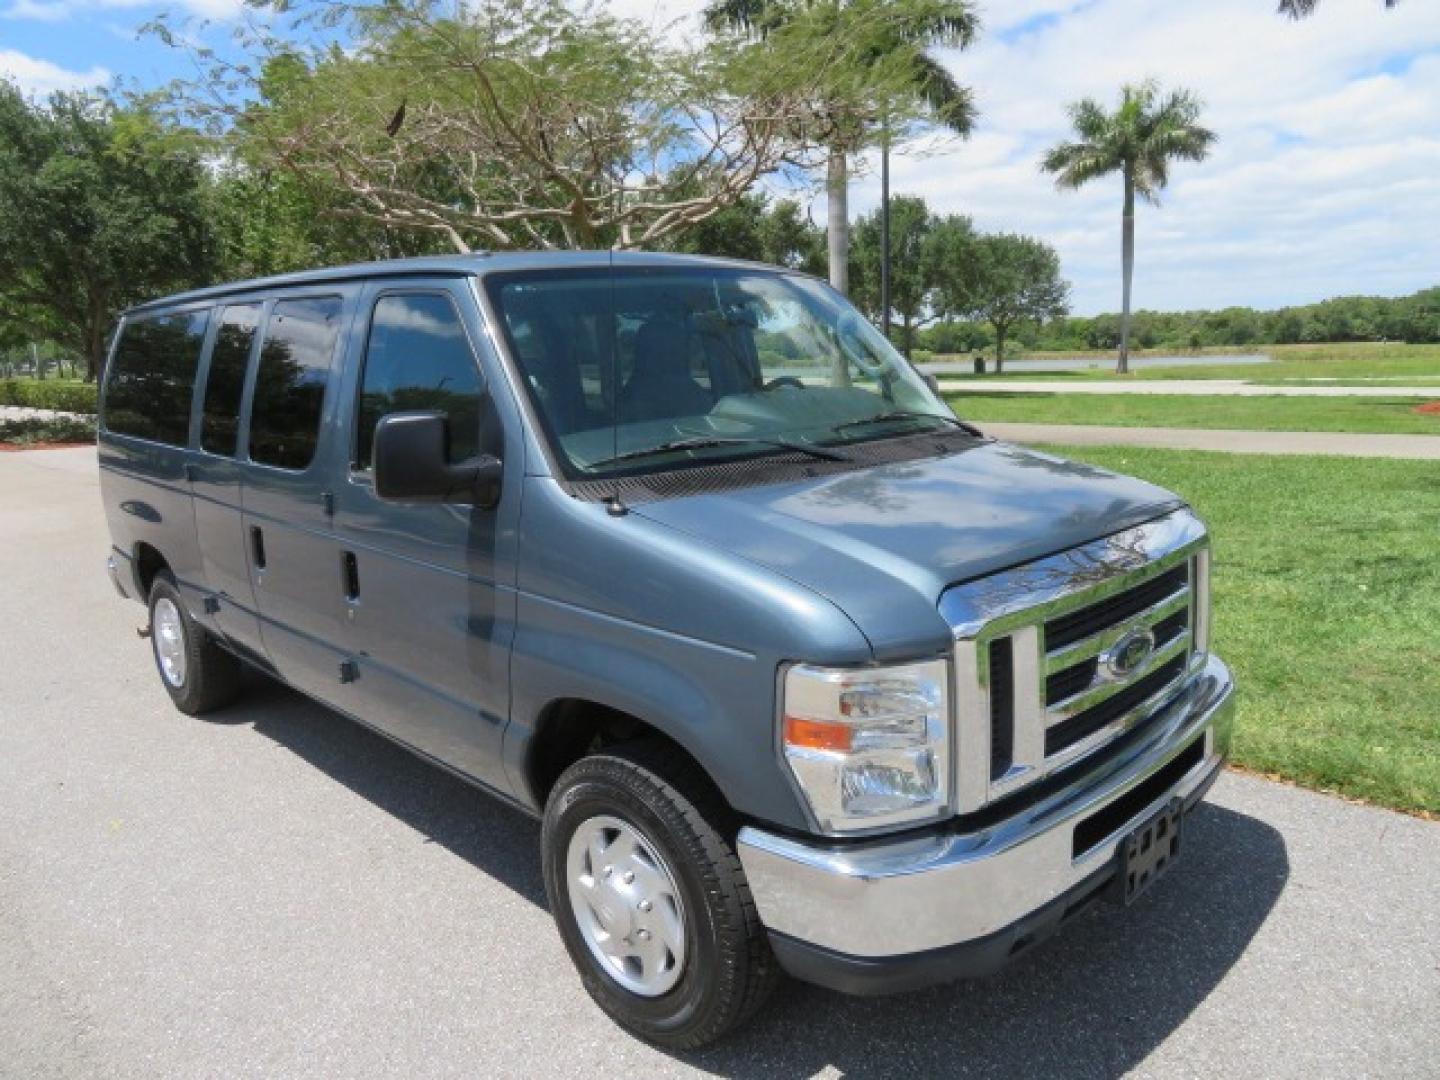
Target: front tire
{"type": "Point", "coordinates": [650, 897]}
{"type": "Point", "coordinates": [197, 673]}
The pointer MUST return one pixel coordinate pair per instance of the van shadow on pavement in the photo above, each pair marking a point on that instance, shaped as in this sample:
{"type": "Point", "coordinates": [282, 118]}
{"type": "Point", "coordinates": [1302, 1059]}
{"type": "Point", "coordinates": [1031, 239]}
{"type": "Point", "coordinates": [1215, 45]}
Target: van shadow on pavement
{"type": "Point", "coordinates": [1092, 1002]}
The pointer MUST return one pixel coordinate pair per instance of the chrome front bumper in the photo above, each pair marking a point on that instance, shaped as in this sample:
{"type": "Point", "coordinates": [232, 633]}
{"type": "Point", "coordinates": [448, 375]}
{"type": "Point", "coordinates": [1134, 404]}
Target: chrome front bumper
{"type": "Point", "coordinates": [879, 900]}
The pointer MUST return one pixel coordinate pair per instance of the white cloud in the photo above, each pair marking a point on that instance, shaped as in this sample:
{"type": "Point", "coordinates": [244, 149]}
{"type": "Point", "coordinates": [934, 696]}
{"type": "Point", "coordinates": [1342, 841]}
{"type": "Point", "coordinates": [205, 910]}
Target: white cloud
{"type": "Point", "coordinates": [40, 77]}
{"type": "Point", "coordinates": [61, 10]}
{"type": "Point", "coordinates": [1323, 180]}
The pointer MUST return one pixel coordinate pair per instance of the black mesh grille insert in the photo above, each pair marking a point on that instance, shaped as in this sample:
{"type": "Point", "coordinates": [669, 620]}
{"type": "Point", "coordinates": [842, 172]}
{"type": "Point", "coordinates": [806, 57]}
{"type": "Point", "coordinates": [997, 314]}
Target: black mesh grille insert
{"type": "Point", "coordinates": [1002, 706]}
{"type": "Point", "coordinates": [1103, 823]}
{"type": "Point", "coordinates": [751, 471]}
{"type": "Point", "coordinates": [1078, 625]}
{"type": "Point", "coordinates": [1116, 705]}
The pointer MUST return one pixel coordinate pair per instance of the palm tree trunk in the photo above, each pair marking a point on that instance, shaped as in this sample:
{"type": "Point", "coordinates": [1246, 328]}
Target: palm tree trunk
{"type": "Point", "coordinates": [837, 191]}
{"type": "Point", "coordinates": [1127, 272]}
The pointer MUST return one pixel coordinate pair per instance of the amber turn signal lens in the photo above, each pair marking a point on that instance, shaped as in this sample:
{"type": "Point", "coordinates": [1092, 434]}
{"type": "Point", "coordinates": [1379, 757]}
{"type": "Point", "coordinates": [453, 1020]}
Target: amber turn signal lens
{"type": "Point", "coordinates": [817, 734]}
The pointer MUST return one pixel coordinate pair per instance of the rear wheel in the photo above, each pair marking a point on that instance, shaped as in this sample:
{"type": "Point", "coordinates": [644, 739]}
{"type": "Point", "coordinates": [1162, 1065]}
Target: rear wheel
{"type": "Point", "coordinates": [650, 897]}
{"type": "Point", "coordinates": [197, 672]}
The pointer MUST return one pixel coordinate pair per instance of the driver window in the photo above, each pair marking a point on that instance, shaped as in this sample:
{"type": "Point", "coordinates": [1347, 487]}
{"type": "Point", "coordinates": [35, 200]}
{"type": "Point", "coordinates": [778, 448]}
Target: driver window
{"type": "Point", "coordinates": [417, 357]}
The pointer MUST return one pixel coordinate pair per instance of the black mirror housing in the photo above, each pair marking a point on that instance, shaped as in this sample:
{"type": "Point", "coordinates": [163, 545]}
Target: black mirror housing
{"type": "Point", "coordinates": [410, 464]}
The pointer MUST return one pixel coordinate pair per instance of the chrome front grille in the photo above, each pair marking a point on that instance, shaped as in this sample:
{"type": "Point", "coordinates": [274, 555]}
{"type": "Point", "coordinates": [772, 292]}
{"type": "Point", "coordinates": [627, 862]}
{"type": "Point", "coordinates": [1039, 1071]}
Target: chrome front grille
{"type": "Point", "coordinates": [1056, 659]}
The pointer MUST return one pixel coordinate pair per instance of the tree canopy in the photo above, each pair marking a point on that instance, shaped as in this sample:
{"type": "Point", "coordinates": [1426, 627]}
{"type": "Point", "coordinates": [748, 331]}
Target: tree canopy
{"type": "Point", "coordinates": [1004, 280]}
{"type": "Point", "coordinates": [862, 73]}
{"type": "Point", "coordinates": [100, 207]}
{"type": "Point", "coordinates": [502, 123]}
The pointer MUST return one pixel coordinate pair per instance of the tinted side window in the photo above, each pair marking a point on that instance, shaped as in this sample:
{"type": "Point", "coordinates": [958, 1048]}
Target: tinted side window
{"type": "Point", "coordinates": [418, 358]}
{"type": "Point", "coordinates": [290, 387]}
{"type": "Point", "coordinates": [220, 425]}
{"type": "Point", "coordinates": [152, 377]}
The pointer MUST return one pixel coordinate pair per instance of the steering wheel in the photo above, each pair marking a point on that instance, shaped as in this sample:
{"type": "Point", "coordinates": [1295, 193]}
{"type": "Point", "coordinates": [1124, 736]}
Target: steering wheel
{"type": "Point", "coordinates": [785, 380]}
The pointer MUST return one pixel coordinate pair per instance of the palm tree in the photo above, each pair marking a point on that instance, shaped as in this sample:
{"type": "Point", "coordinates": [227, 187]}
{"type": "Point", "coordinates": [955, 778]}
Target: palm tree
{"type": "Point", "coordinates": [879, 67]}
{"type": "Point", "coordinates": [1138, 140]}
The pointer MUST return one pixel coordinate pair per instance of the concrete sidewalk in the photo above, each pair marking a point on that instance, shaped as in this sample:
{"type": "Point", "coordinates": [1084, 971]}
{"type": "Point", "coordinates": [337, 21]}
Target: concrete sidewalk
{"type": "Point", "coordinates": [1183, 387]}
{"type": "Point", "coordinates": [1327, 443]}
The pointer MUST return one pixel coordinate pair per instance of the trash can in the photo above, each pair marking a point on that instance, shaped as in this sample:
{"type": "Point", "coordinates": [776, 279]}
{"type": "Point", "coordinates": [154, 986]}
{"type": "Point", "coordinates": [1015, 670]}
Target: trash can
{"type": "Point", "coordinates": [979, 365]}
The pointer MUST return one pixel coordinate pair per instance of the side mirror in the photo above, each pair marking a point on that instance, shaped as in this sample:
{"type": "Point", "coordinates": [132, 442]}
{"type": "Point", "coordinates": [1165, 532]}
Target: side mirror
{"type": "Point", "coordinates": [410, 464]}
{"type": "Point", "coordinates": [931, 381]}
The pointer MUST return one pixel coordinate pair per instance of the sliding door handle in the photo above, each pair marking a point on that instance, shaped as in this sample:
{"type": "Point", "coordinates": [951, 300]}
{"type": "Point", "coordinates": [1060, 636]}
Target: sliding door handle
{"type": "Point", "coordinates": [350, 575]}
{"type": "Point", "coordinates": [257, 547]}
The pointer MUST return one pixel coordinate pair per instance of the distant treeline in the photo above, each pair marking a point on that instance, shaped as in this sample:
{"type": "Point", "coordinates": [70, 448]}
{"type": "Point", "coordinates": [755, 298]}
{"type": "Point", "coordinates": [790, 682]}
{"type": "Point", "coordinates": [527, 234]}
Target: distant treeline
{"type": "Point", "coordinates": [1413, 318]}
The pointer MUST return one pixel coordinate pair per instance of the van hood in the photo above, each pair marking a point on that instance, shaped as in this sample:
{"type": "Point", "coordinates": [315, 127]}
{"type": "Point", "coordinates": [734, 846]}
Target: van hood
{"type": "Point", "coordinates": [883, 543]}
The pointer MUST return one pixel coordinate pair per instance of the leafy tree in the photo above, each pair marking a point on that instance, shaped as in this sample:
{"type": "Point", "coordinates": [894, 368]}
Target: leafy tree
{"type": "Point", "coordinates": [760, 231]}
{"type": "Point", "coordinates": [791, 240]}
{"type": "Point", "coordinates": [1004, 280]}
{"type": "Point", "coordinates": [1138, 140]}
{"type": "Point", "coordinates": [865, 71]}
{"type": "Point", "coordinates": [100, 207]}
{"type": "Point", "coordinates": [914, 252]}
{"type": "Point", "coordinates": [500, 124]}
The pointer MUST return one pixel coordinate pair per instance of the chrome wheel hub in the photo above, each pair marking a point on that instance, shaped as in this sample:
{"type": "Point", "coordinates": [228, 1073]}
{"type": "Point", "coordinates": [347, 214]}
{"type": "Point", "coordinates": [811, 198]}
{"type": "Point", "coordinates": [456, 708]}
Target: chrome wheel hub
{"type": "Point", "coordinates": [168, 631]}
{"type": "Point", "coordinates": [627, 905]}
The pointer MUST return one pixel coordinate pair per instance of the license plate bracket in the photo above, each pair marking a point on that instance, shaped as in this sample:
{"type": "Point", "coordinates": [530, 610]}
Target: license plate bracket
{"type": "Point", "coordinates": [1148, 853]}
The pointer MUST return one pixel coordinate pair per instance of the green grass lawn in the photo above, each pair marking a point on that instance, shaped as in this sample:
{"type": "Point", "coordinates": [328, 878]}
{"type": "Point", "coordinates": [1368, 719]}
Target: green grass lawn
{"type": "Point", "coordinates": [1289, 362]}
{"type": "Point", "coordinates": [1327, 606]}
{"type": "Point", "coordinates": [1186, 411]}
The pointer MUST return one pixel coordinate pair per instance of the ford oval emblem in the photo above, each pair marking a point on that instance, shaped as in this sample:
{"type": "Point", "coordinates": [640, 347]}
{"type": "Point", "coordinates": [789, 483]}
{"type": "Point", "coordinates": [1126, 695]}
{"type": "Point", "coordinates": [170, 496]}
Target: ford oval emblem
{"type": "Point", "coordinates": [1128, 654]}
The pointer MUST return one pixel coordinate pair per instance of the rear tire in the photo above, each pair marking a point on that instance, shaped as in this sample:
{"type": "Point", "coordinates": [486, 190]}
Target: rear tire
{"type": "Point", "coordinates": [650, 796]}
{"type": "Point", "coordinates": [196, 671]}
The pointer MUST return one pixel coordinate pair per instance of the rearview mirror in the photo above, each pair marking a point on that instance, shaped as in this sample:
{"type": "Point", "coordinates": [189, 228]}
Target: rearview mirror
{"type": "Point", "coordinates": [410, 464]}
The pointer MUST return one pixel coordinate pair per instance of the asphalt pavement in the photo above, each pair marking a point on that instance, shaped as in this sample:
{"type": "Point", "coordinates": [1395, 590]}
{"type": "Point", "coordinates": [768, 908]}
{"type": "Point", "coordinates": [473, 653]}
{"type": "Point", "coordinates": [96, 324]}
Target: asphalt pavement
{"type": "Point", "coordinates": [274, 892]}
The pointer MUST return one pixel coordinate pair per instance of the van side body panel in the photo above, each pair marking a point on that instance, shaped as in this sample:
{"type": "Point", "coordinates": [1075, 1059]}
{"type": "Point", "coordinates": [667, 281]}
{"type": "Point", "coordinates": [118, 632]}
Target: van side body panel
{"type": "Point", "coordinates": [215, 483]}
{"type": "Point", "coordinates": [298, 591]}
{"type": "Point", "coordinates": [147, 500]}
{"type": "Point", "coordinates": [635, 616]}
{"type": "Point", "coordinates": [431, 626]}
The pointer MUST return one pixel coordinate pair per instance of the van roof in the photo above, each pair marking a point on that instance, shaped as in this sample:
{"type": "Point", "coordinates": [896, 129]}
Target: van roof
{"type": "Point", "coordinates": [479, 262]}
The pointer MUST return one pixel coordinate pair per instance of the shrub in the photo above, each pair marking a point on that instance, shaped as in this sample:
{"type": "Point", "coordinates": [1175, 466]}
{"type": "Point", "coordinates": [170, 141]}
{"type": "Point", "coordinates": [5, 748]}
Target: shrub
{"type": "Point", "coordinates": [49, 394]}
{"type": "Point", "coordinates": [62, 430]}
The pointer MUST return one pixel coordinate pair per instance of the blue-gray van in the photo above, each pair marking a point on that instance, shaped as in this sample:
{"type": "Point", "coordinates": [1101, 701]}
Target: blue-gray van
{"type": "Point", "coordinates": [801, 672]}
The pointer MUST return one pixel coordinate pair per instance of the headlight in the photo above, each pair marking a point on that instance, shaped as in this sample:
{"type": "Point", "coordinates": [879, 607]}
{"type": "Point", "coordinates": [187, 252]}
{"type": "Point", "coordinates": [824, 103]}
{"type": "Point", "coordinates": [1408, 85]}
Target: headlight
{"type": "Point", "coordinates": [869, 747]}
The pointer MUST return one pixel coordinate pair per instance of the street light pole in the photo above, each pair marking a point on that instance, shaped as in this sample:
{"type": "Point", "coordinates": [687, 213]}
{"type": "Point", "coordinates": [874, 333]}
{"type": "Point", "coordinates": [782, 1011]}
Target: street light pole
{"type": "Point", "coordinates": [885, 230]}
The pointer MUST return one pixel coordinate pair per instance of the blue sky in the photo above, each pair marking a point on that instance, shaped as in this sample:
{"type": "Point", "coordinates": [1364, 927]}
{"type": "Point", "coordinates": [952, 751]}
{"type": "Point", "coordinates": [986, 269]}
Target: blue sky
{"type": "Point", "coordinates": [1326, 179]}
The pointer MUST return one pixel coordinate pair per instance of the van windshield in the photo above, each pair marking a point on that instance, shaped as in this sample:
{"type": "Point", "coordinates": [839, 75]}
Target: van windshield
{"type": "Point", "coordinates": [639, 369]}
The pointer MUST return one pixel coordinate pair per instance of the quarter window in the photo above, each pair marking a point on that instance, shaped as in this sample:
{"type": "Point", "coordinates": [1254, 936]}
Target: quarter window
{"type": "Point", "coordinates": [152, 377]}
{"type": "Point", "coordinates": [419, 358]}
{"type": "Point", "coordinates": [220, 424]}
{"type": "Point", "coordinates": [290, 386]}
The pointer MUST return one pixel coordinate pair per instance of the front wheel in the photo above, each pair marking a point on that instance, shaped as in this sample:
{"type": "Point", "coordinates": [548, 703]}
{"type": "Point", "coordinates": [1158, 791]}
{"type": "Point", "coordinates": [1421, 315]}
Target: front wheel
{"type": "Point", "coordinates": [650, 897]}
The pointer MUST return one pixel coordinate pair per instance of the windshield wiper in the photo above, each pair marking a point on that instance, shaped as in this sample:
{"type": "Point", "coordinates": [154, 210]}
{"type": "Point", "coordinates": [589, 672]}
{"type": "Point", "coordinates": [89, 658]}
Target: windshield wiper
{"type": "Point", "coordinates": [704, 442]}
{"type": "Point", "coordinates": [903, 414]}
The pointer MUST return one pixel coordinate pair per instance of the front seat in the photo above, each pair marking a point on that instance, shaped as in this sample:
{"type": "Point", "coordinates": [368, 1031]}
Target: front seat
{"type": "Point", "coordinates": [660, 385]}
